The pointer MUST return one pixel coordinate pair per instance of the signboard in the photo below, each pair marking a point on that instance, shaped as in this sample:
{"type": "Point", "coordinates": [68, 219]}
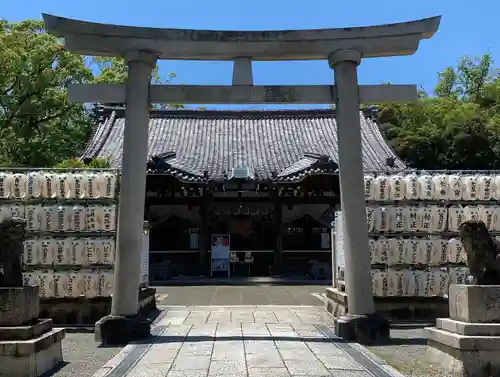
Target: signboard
{"type": "Point", "coordinates": [144, 280]}
{"type": "Point", "coordinates": [339, 246]}
{"type": "Point", "coordinates": [220, 252]}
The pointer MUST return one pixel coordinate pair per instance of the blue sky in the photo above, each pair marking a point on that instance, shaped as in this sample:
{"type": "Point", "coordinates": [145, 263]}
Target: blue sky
{"type": "Point", "coordinates": [467, 28]}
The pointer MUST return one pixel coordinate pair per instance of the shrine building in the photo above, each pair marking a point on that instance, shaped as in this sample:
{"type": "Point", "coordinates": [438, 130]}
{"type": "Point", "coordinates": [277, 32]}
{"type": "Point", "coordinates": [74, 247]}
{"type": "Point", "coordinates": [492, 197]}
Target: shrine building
{"type": "Point", "coordinates": [268, 178]}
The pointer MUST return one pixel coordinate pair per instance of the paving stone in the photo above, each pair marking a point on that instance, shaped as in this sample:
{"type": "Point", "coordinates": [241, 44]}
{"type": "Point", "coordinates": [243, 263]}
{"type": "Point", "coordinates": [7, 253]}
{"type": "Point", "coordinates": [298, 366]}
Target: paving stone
{"type": "Point", "coordinates": [151, 370]}
{"type": "Point", "coordinates": [184, 373]}
{"type": "Point", "coordinates": [182, 362]}
{"type": "Point", "coordinates": [280, 327]}
{"type": "Point", "coordinates": [295, 344]}
{"type": "Point", "coordinates": [219, 317]}
{"type": "Point", "coordinates": [348, 373]}
{"type": "Point", "coordinates": [292, 354]}
{"type": "Point", "coordinates": [224, 352]}
{"type": "Point", "coordinates": [310, 332]}
{"type": "Point", "coordinates": [166, 345]}
{"type": "Point", "coordinates": [228, 345]}
{"type": "Point", "coordinates": [305, 368]}
{"type": "Point", "coordinates": [230, 368]}
{"type": "Point", "coordinates": [341, 361]}
{"type": "Point", "coordinates": [254, 328]}
{"type": "Point", "coordinates": [268, 372]}
{"type": "Point", "coordinates": [259, 346]}
{"type": "Point", "coordinates": [325, 349]}
{"type": "Point", "coordinates": [196, 349]}
{"type": "Point", "coordinates": [158, 356]}
{"type": "Point", "coordinates": [251, 341]}
{"type": "Point", "coordinates": [176, 330]}
{"type": "Point", "coordinates": [206, 329]}
{"type": "Point", "coordinates": [228, 356]}
{"type": "Point", "coordinates": [264, 360]}
{"type": "Point", "coordinates": [304, 327]}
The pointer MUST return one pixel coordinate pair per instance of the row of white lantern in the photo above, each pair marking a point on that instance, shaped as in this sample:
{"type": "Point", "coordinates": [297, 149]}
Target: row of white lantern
{"type": "Point", "coordinates": [416, 283]}
{"type": "Point", "coordinates": [432, 251]}
{"type": "Point", "coordinates": [51, 185]}
{"type": "Point", "coordinates": [432, 187]}
{"type": "Point", "coordinates": [429, 218]}
{"type": "Point", "coordinates": [71, 284]}
{"type": "Point", "coordinates": [69, 251]}
{"type": "Point", "coordinates": [63, 218]}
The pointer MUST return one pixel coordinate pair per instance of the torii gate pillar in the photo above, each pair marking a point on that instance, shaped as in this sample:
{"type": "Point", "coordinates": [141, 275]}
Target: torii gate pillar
{"type": "Point", "coordinates": [363, 321]}
{"type": "Point", "coordinates": [124, 305]}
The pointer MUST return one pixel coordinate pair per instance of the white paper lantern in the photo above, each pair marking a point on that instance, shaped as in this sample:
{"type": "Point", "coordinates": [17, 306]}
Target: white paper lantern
{"type": "Point", "coordinates": [49, 186]}
{"type": "Point", "coordinates": [91, 185]}
{"type": "Point", "coordinates": [426, 187]}
{"type": "Point", "coordinates": [18, 187]}
{"type": "Point", "coordinates": [34, 184]}
{"type": "Point", "coordinates": [107, 185]}
{"type": "Point", "coordinates": [485, 185]}
{"type": "Point", "coordinates": [397, 188]}
{"type": "Point", "coordinates": [441, 186]}
{"type": "Point", "coordinates": [6, 181]}
{"type": "Point", "coordinates": [382, 188]}
{"type": "Point", "coordinates": [456, 187]}
{"type": "Point", "coordinates": [412, 191]}
{"type": "Point", "coordinates": [106, 283]}
{"type": "Point", "coordinates": [65, 185]}
{"type": "Point", "coordinates": [76, 284]}
{"type": "Point", "coordinates": [470, 184]}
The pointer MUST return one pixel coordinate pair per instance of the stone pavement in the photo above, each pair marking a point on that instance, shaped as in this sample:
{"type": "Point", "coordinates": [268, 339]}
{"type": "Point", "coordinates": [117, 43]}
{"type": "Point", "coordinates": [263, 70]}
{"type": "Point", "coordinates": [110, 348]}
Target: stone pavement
{"type": "Point", "coordinates": [224, 295]}
{"type": "Point", "coordinates": [249, 341]}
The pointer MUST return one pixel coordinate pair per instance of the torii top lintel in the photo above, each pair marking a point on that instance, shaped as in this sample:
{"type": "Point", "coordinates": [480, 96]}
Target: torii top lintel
{"type": "Point", "coordinates": [90, 38]}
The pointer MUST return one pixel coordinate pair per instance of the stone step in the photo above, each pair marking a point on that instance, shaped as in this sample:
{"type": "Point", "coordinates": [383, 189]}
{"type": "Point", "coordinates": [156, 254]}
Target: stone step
{"type": "Point", "coordinates": [20, 348]}
{"type": "Point", "coordinates": [26, 332]}
{"type": "Point", "coordinates": [33, 357]}
{"type": "Point", "coordinates": [466, 328]}
{"type": "Point", "coordinates": [463, 342]}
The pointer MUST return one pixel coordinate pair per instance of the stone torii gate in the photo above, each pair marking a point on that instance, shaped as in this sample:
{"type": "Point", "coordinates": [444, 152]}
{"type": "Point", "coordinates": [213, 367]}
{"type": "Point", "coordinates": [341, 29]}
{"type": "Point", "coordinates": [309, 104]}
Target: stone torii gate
{"type": "Point", "coordinates": [141, 47]}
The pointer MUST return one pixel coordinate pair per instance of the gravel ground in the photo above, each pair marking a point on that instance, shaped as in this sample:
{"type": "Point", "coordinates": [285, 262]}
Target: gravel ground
{"type": "Point", "coordinates": [83, 356]}
{"type": "Point", "coordinates": [407, 353]}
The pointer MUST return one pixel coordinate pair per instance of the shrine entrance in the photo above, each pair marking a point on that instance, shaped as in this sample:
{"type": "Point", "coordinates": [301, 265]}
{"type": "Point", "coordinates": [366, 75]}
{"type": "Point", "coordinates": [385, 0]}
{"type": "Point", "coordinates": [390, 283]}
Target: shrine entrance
{"type": "Point", "coordinates": [342, 48]}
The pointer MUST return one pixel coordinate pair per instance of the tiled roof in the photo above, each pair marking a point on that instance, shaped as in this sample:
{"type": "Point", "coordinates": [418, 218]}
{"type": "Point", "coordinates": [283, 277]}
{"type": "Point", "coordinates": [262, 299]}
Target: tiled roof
{"type": "Point", "coordinates": [273, 144]}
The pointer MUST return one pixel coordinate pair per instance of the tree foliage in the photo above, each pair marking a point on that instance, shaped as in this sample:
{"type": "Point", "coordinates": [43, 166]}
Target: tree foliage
{"type": "Point", "coordinates": [458, 127]}
{"type": "Point", "coordinates": [75, 163]}
{"type": "Point", "coordinates": [38, 126]}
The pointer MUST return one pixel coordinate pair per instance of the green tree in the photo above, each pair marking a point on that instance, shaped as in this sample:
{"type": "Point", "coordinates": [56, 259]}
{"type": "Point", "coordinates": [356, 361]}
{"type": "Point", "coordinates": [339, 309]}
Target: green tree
{"type": "Point", "coordinates": [456, 128]}
{"type": "Point", "coordinates": [75, 163]}
{"type": "Point", "coordinates": [38, 127]}
{"type": "Point", "coordinates": [113, 70]}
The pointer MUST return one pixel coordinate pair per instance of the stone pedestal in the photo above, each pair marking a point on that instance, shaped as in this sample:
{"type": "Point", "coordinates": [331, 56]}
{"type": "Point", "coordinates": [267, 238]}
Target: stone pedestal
{"type": "Point", "coordinates": [394, 309]}
{"type": "Point", "coordinates": [119, 330]}
{"type": "Point", "coordinates": [29, 347]}
{"type": "Point", "coordinates": [366, 329]}
{"type": "Point", "coordinates": [468, 343]}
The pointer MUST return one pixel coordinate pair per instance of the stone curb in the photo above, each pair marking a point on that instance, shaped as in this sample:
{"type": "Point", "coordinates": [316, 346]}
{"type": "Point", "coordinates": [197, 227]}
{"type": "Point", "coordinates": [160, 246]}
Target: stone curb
{"type": "Point", "coordinates": [377, 360]}
{"type": "Point", "coordinates": [118, 359]}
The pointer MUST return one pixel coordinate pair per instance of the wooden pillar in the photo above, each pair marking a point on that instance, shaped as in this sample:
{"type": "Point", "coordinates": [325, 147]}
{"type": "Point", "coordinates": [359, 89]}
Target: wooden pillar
{"type": "Point", "coordinates": [278, 226]}
{"type": "Point", "coordinates": [204, 238]}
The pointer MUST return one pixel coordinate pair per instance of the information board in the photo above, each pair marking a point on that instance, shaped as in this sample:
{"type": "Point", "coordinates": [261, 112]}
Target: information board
{"type": "Point", "coordinates": [220, 253]}
{"type": "Point", "coordinates": [144, 281]}
{"type": "Point", "coordinates": [339, 246]}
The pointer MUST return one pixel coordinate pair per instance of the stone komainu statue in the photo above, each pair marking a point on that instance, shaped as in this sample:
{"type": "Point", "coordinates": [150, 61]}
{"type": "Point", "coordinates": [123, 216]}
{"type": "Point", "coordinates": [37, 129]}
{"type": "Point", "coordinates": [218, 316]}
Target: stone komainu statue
{"type": "Point", "coordinates": [12, 235]}
{"type": "Point", "coordinates": [483, 252]}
